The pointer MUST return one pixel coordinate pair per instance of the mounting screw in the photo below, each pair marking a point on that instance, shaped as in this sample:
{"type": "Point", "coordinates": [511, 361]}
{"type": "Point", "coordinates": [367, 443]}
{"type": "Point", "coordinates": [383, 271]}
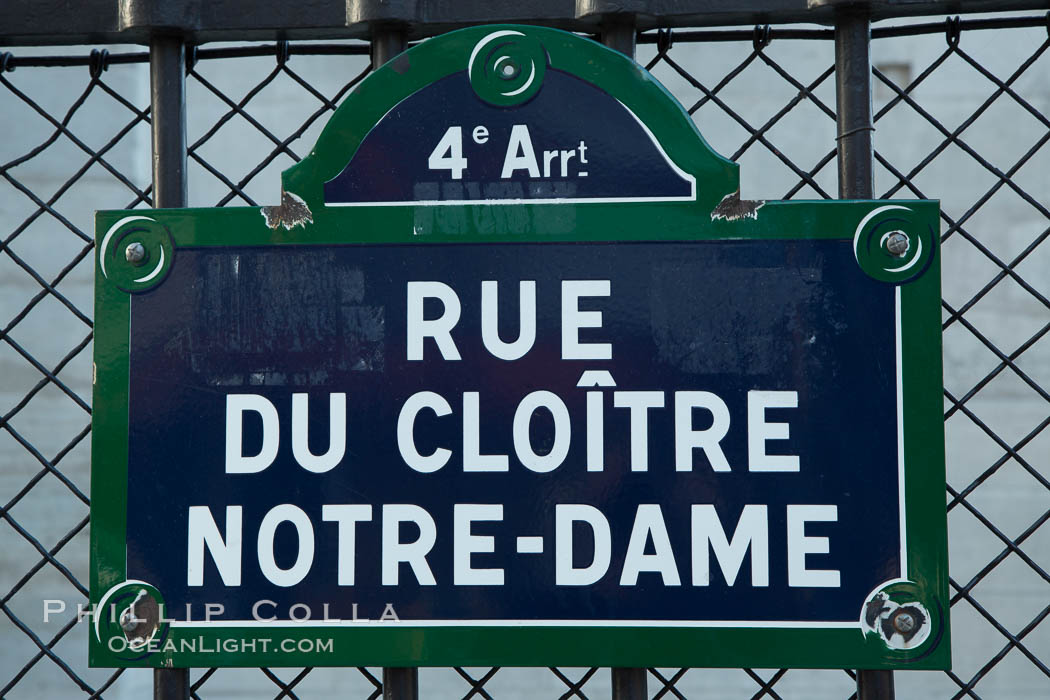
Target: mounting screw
{"type": "Point", "coordinates": [135, 253]}
{"type": "Point", "coordinates": [509, 70]}
{"type": "Point", "coordinates": [898, 244]}
{"type": "Point", "coordinates": [904, 622]}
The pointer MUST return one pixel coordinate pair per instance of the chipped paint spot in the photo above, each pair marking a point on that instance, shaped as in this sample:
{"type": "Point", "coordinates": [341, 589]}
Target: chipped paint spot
{"type": "Point", "coordinates": [140, 620]}
{"type": "Point", "coordinates": [292, 212]}
{"type": "Point", "coordinates": [732, 208]}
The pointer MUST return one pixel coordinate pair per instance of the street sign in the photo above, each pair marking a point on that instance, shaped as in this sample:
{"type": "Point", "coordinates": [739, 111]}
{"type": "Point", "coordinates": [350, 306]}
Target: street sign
{"type": "Point", "coordinates": [513, 376]}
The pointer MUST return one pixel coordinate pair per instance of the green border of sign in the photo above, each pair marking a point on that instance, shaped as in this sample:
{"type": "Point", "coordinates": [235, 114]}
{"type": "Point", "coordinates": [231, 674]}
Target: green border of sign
{"type": "Point", "coordinates": [866, 223]}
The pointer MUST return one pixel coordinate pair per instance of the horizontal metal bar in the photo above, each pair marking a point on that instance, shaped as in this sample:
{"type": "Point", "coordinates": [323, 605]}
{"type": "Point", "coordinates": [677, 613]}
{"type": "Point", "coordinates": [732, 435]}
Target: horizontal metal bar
{"type": "Point", "coordinates": [782, 33]}
{"type": "Point", "coordinates": [39, 22]}
{"type": "Point", "coordinates": [253, 50]}
{"type": "Point", "coordinates": [680, 37]}
{"type": "Point", "coordinates": [201, 54]}
{"type": "Point", "coordinates": [707, 35]}
{"type": "Point", "coordinates": [967, 24]}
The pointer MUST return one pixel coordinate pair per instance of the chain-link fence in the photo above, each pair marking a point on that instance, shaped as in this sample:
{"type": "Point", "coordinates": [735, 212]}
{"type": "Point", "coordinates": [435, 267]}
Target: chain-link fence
{"type": "Point", "coordinates": [962, 112]}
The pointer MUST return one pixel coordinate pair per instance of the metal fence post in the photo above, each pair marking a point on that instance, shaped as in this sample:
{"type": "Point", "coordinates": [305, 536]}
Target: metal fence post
{"type": "Point", "coordinates": [618, 32]}
{"type": "Point", "coordinates": [171, 684]}
{"type": "Point", "coordinates": [630, 684]}
{"type": "Point", "coordinates": [875, 685]}
{"type": "Point", "coordinates": [387, 42]}
{"type": "Point", "coordinates": [853, 101]}
{"type": "Point", "coordinates": [167, 73]}
{"type": "Point", "coordinates": [398, 683]}
{"type": "Point", "coordinates": [856, 181]}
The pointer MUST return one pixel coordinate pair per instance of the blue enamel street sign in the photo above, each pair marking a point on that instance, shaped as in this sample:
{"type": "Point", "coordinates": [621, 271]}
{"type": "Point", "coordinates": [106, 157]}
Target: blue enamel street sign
{"type": "Point", "coordinates": [513, 376]}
